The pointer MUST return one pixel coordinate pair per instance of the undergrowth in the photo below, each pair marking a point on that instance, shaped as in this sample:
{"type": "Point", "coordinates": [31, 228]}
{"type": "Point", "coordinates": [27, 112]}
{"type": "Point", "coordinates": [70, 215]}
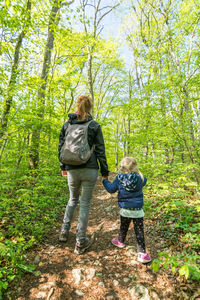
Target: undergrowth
{"type": "Point", "coordinates": [29, 207]}
{"type": "Point", "coordinates": [175, 208]}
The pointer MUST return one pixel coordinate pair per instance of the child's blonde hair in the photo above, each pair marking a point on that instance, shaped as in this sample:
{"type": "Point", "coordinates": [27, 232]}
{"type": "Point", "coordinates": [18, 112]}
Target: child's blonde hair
{"type": "Point", "coordinates": [129, 165]}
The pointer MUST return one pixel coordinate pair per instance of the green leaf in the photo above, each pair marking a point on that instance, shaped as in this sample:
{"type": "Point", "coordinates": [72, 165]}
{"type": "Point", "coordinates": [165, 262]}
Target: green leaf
{"type": "Point", "coordinates": [31, 268]}
{"type": "Point", "coordinates": [155, 266]}
{"type": "Point", "coordinates": [37, 273]}
{"type": "Point", "coordinates": [11, 277]}
{"type": "Point", "coordinates": [3, 285]}
{"type": "Point", "coordinates": [184, 271]}
{"type": "Point", "coordinates": [7, 3]}
{"type": "Point", "coordinates": [173, 269]}
{"type": "Point", "coordinates": [165, 266]}
{"type": "Point", "coordinates": [3, 250]}
{"type": "Point", "coordinates": [26, 268]}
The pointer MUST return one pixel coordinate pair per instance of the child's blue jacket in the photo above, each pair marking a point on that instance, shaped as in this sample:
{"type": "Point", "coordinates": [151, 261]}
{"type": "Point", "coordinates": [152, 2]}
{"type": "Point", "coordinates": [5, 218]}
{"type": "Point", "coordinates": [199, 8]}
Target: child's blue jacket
{"type": "Point", "coordinates": [129, 187]}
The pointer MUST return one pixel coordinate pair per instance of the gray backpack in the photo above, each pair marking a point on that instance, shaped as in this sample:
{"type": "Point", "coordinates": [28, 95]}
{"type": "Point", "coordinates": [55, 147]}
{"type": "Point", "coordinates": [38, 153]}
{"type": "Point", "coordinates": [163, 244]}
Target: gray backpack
{"type": "Point", "coordinates": [76, 150]}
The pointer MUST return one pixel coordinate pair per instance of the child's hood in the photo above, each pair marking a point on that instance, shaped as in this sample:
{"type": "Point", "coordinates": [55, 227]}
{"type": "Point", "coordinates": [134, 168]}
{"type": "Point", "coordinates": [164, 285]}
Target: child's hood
{"type": "Point", "coordinates": [129, 181]}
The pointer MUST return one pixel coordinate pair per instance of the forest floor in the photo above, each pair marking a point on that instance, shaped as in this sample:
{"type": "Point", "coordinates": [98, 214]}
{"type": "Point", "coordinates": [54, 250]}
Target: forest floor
{"type": "Point", "coordinates": [104, 271]}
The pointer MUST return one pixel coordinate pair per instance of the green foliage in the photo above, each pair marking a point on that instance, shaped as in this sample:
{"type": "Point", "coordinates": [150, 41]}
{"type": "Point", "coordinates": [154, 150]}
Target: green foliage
{"type": "Point", "coordinates": [29, 208]}
{"type": "Point", "coordinates": [175, 213]}
{"type": "Point", "coordinates": [190, 269]}
{"type": "Point", "coordinates": [162, 91]}
{"type": "Point", "coordinates": [12, 259]}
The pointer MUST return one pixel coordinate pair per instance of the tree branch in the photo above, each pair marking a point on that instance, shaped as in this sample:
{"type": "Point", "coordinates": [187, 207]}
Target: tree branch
{"type": "Point", "coordinates": [95, 17]}
{"type": "Point", "coordinates": [67, 3]}
{"type": "Point", "coordinates": [106, 13]}
{"type": "Point", "coordinates": [108, 6]}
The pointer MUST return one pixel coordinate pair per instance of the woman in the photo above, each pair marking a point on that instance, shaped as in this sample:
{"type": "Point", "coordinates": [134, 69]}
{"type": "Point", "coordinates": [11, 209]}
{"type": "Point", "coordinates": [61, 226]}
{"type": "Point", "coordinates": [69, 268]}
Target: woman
{"type": "Point", "coordinates": [82, 178]}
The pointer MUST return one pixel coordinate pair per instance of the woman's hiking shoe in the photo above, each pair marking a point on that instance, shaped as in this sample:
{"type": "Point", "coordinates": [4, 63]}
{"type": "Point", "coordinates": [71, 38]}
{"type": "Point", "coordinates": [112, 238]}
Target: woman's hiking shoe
{"type": "Point", "coordinates": [117, 243]}
{"type": "Point", "coordinates": [80, 248]}
{"type": "Point", "coordinates": [144, 257]}
{"type": "Point", "coordinates": [63, 237]}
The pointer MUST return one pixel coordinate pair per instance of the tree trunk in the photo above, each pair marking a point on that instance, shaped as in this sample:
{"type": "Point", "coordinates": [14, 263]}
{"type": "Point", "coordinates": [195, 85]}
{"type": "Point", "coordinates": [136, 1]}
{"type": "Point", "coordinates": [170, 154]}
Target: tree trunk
{"type": "Point", "coordinates": [117, 147]}
{"type": "Point", "coordinates": [130, 91]}
{"type": "Point", "coordinates": [14, 72]}
{"type": "Point", "coordinates": [35, 142]}
{"type": "Point", "coordinates": [97, 18]}
{"type": "Point", "coordinates": [22, 145]}
{"type": "Point", "coordinates": [90, 79]}
{"type": "Point", "coordinates": [3, 148]}
{"type": "Point", "coordinates": [128, 137]}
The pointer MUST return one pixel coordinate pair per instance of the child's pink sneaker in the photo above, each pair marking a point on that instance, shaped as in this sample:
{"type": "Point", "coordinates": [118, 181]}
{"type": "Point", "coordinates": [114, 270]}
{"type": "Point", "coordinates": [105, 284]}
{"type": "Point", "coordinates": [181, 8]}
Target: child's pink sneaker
{"type": "Point", "coordinates": [117, 243]}
{"type": "Point", "coordinates": [144, 257]}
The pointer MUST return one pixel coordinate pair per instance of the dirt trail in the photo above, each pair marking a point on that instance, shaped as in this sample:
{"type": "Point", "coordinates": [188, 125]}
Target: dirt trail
{"type": "Point", "coordinates": [104, 271]}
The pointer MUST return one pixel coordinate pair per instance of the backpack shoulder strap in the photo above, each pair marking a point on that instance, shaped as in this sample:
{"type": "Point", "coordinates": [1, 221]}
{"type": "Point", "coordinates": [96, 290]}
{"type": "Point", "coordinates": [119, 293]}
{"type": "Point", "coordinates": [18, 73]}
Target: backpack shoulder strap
{"type": "Point", "coordinates": [88, 123]}
{"type": "Point", "coordinates": [67, 129]}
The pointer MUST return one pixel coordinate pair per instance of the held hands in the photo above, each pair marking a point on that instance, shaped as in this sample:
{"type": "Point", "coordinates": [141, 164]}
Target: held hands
{"type": "Point", "coordinates": [64, 173]}
{"type": "Point", "coordinates": [142, 177]}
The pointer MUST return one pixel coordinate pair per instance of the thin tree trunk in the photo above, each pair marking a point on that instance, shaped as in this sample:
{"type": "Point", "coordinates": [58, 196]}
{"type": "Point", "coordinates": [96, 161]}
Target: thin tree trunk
{"type": "Point", "coordinates": [14, 72]}
{"type": "Point", "coordinates": [98, 17]}
{"type": "Point", "coordinates": [130, 86]}
{"type": "Point", "coordinates": [146, 151]}
{"type": "Point", "coordinates": [182, 155]}
{"type": "Point", "coordinates": [72, 101]}
{"type": "Point", "coordinates": [35, 142]}
{"type": "Point", "coordinates": [128, 137]}
{"type": "Point", "coordinates": [117, 147]}
{"type": "Point", "coordinates": [21, 151]}
{"type": "Point", "coordinates": [124, 138]}
{"type": "Point", "coordinates": [90, 79]}
{"type": "Point", "coordinates": [3, 148]}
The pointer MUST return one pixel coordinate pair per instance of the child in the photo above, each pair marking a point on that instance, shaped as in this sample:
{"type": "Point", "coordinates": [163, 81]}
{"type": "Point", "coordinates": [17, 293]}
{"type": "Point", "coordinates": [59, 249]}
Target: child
{"type": "Point", "coordinates": [129, 184]}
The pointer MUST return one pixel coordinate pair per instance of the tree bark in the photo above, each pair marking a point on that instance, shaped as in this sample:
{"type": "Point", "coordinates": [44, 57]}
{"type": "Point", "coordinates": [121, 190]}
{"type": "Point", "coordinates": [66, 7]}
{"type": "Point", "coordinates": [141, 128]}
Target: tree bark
{"type": "Point", "coordinates": [3, 148]}
{"type": "Point", "coordinates": [14, 72]}
{"type": "Point", "coordinates": [117, 146]}
{"type": "Point", "coordinates": [35, 142]}
{"type": "Point", "coordinates": [90, 79]}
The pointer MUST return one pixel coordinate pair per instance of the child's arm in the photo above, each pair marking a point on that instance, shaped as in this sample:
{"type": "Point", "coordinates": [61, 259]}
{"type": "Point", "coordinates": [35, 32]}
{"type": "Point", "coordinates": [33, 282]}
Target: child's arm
{"type": "Point", "coordinates": [111, 187]}
{"type": "Point", "coordinates": [145, 181]}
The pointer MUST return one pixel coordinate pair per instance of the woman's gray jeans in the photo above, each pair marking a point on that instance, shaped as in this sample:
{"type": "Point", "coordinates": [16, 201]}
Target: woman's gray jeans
{"type": "Point", "coordinates": [81, 183]}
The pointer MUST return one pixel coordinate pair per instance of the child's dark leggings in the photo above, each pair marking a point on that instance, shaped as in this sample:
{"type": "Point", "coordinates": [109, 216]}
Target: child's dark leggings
{"type": "Point", "coordinates": [139, 231]}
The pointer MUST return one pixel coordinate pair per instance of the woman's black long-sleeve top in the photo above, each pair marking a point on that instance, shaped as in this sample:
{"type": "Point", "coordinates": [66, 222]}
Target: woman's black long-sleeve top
{"type": "Point", "coordinates": [95, 140]}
